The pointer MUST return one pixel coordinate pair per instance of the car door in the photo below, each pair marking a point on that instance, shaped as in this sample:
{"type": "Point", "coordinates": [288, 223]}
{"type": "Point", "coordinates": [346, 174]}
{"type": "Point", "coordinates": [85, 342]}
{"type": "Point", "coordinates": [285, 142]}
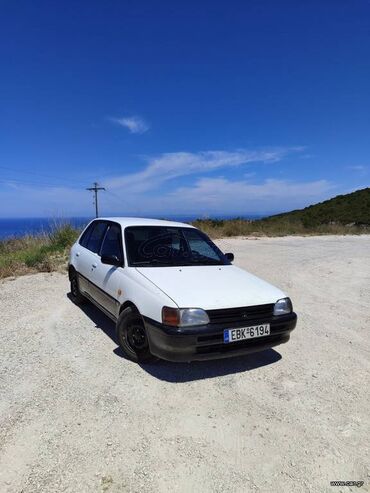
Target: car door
{"type": "Point", "coordinates": [89, 259]}
{"type": "Point", "coordinates": [79, 257]}
{"type": "Point", "coordinates": [108, 278]}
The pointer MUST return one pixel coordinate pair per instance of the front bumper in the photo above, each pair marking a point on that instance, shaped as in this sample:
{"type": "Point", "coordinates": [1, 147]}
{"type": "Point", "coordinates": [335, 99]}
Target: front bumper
{"type": "Point", "coordinates": [206, 341]}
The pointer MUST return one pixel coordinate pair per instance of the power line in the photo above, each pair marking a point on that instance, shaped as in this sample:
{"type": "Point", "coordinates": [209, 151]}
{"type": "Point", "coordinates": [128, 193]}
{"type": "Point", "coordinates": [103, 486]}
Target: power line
{"type": "Point", "coordinates": [51, 180]}
{"type": "Point", "coordinates": [122, 201]}
{"type": "Point", "coordinates": [33, 173]}
{"type": "Point", "coordinates": [96, 189]}
{"type": "Point", "coordinates": [7, 181]}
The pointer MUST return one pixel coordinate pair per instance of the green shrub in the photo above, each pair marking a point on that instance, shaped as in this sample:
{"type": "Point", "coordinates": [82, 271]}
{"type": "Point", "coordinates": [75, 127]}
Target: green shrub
{"type": "Point", "coordinates": [63, 237]}
{"type": "Point", "coordinates": [34, 258]}
{"type": "Point", "coordinates": [40, 253]}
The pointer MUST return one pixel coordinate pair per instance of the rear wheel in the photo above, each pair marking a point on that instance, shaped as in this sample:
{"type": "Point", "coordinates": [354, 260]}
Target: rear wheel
{"type": "Point", "coordinates": [132, 336]}
{"type": "Point", "coordinates": [76, 295]}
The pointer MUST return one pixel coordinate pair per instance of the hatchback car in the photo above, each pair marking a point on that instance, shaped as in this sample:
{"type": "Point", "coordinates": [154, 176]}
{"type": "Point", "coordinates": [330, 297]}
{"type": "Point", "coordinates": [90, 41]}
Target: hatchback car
{"type": "Point", "coordinates": [173, 294]}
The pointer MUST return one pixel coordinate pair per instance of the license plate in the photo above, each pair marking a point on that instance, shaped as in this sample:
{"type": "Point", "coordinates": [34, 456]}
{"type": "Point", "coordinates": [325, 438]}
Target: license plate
{"type": "Point", "coordinates": [234, 335]}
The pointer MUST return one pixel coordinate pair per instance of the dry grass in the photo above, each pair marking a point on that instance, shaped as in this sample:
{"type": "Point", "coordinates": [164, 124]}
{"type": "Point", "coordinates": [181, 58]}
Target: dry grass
{"type": "Point", "coordinates": [41, 253]}
{"type": "Point", "coordinates": [271, 227]}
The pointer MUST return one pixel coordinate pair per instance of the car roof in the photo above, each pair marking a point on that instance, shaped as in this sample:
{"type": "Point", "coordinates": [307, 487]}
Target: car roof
{"type": "Point", "coordinates": [144, 221]}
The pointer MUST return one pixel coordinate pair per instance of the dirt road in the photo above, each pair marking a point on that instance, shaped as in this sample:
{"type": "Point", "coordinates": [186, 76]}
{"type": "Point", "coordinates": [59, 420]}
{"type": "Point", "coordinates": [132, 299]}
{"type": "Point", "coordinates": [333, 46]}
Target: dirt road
{"type": "Point", "coordinates": [76, 416]}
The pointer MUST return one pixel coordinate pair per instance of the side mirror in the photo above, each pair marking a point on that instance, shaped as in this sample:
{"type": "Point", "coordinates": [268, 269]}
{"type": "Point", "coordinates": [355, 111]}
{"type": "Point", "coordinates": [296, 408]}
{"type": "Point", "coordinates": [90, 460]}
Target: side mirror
{"type": "Point", "coordinates": [111, 260]}
{"type": "Point", "coordinates": [229, 256]}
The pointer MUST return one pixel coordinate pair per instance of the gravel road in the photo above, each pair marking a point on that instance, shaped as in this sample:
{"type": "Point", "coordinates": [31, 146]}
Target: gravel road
{"type": "Point", "coordinates": [76, 416]}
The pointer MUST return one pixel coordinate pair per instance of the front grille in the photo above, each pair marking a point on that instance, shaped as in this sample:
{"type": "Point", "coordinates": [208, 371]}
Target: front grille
{"type": "Point", "coordinates": [245, 314]}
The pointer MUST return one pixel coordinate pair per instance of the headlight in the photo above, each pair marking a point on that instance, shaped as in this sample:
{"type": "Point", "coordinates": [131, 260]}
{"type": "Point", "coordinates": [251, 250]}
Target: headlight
{"type": "Point", "coordinates": [283, 306]}
{"type": "Point", "coordinates": [184, 317]}
{"type": "Point", "coordinates": [193, 316]}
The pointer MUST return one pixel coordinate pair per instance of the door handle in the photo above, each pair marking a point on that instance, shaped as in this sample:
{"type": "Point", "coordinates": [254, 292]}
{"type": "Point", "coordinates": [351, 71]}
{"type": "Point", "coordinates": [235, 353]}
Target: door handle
{"type": "Point", "coordinates": [94, 265]}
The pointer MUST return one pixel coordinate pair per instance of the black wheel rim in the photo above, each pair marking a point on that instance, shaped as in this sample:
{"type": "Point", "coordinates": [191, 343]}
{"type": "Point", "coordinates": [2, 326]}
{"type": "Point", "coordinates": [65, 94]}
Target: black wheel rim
{"type": "Point", "coordinates": [136, 336]}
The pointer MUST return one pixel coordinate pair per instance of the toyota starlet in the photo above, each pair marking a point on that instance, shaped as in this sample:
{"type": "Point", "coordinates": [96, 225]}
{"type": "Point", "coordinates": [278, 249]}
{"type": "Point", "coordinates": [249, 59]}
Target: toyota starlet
{"type": "Point", "coordinates": [173, 293]}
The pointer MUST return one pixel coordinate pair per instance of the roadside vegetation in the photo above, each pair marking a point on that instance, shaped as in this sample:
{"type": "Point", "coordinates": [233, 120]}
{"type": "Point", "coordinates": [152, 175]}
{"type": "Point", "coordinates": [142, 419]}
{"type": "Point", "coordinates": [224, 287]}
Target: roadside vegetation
{"type": "Point", "coordinates": [40, 253]}
{"type": "Point", "coordinates": [342, 215]}
{"type": "Point", "coordinates": [270, 227]}
{"type": "Point", "coordinates": [49, 251]}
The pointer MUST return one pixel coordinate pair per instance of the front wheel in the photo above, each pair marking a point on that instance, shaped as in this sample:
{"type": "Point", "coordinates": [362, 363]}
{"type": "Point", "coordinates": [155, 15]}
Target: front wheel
{"type": "Point", "coordinates": [132, 337]}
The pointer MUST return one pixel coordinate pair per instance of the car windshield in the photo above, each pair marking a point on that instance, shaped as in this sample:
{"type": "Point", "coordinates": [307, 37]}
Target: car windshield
{"type": "Point", "coordinates": [158, 246]}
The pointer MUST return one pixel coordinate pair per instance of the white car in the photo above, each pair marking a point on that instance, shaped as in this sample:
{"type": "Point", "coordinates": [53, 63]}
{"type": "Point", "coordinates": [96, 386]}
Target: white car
{"type": "Point", "coordinates": [173, 294]}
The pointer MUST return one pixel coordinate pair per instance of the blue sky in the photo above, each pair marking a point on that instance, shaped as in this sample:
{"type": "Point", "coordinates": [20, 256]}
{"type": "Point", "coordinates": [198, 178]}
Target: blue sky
{"type": "Point", "coordinates": [237, 107]}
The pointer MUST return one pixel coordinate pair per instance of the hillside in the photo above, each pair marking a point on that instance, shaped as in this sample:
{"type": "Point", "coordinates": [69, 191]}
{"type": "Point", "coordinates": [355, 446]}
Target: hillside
{"type": "Point", "coordinates": [352, 208]}
{"type": "Point", "coordinates": [344, 214]}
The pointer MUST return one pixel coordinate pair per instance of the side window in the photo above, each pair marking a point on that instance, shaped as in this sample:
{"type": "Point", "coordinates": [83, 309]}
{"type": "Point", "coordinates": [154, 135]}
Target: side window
{"type": "Point", "coordinates": [86, 235]}
{"type": "Point", "coordinates": [96, 236]}
{"type": "Point", "coordinates": [112, 244]}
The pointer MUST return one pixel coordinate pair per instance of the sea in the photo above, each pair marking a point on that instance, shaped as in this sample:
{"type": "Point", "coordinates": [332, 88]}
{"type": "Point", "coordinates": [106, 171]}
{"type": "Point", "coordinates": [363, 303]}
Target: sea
{"type": "Point", "coordinates": [17, 227]}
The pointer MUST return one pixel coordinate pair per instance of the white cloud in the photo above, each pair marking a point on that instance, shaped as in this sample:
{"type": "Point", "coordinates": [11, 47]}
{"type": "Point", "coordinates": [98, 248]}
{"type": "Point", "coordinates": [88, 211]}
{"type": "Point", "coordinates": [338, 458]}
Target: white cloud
{"type": "Point", "coordinates": [134, 124]}
{"type": "Point", "coordinates": [222, 195]}
{"type": "Point", "coordinates": [358, 167]}
{"type": "Point", "coordinates": [206, 196]}
{"type": "Point", "coordinates": [176, 164]}
{"type": "Point", "coordinates": [141, 193]}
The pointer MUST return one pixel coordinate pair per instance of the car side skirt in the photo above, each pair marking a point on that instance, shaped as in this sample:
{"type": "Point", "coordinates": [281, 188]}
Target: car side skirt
{"type": "Point", "coordinates": [109, 305]}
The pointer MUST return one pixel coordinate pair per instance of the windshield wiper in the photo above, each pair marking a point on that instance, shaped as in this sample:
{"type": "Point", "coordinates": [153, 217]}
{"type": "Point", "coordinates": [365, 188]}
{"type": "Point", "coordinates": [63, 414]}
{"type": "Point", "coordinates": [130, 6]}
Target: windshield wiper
{"type": "Point", "coordinates": [179, 263]}
{"type": "Point", "coordinates": [204, 262]}
{"type": "Point", "coordinates": [154, 261]}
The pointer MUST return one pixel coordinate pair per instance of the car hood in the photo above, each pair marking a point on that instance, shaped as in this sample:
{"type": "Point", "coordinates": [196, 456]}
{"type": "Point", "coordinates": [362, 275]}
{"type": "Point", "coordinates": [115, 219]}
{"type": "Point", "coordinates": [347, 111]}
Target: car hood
{"type": "Point", "coordinates": [211, 287]}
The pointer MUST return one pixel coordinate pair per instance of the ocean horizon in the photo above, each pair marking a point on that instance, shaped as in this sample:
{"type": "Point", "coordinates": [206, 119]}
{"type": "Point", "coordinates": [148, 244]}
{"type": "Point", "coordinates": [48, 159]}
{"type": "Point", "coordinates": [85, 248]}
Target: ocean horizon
{"type": "Point", "coordinates": [17, 227]}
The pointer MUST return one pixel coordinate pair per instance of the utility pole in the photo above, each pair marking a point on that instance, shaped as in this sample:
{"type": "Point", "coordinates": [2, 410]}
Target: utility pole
{"type": "Point", "coordinates": [96, 189]}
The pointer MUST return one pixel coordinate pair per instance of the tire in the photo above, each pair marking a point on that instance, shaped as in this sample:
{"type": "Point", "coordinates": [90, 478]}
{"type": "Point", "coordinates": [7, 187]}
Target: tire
{"type": "Point", "coordinates": [132, 337]}
{"type": "Point", "coordinates": [76, 295]}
